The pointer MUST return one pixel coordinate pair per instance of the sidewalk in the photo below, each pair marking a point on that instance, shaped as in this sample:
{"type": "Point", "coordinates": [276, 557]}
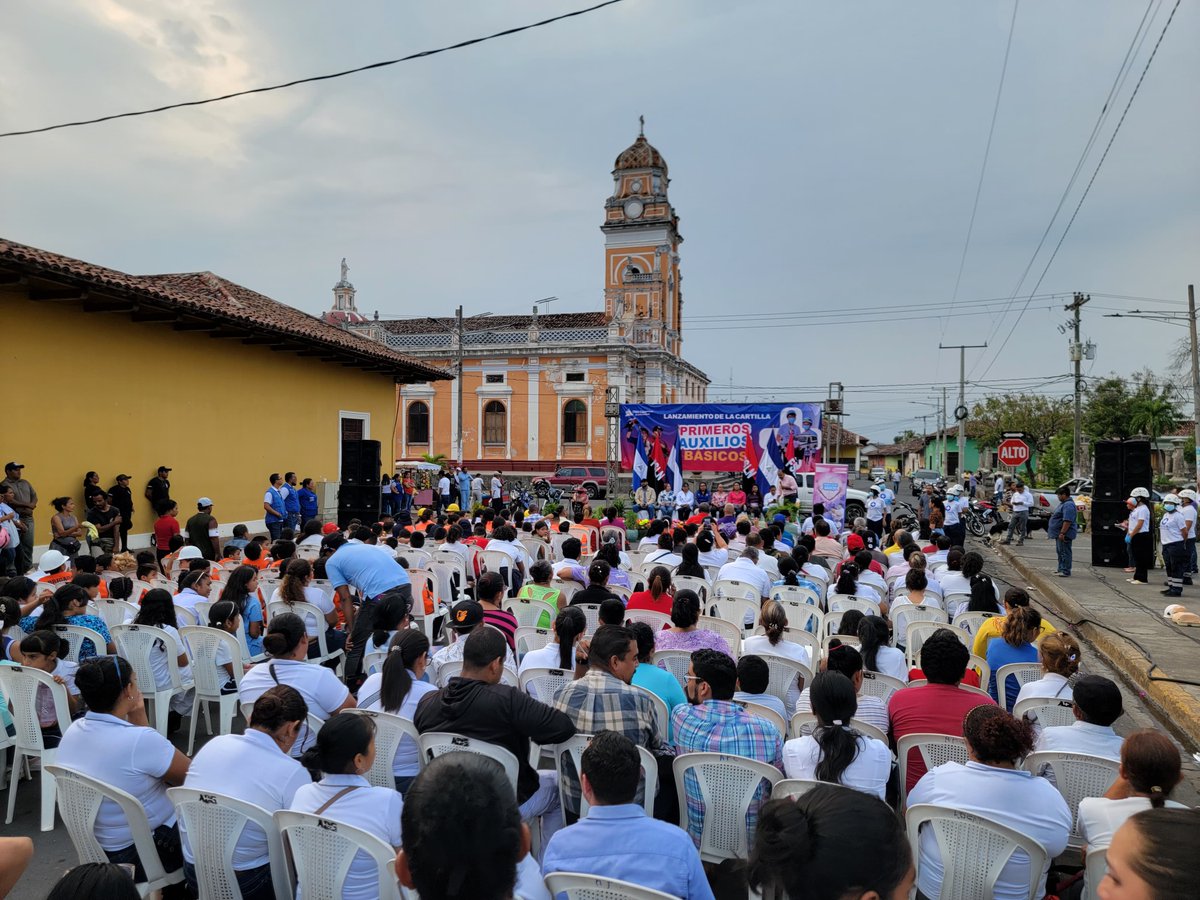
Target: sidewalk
{"type": "Point", "coordinates": [1103, 596]}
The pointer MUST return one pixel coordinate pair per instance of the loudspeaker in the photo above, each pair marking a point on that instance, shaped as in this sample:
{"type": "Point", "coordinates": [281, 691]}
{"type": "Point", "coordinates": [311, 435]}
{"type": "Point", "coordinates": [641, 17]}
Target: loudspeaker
{"type": "Point", "coordinates": [1109, 550]}
{"type": "Point", "coordinates": [355, 502]}
{"type": "Point", "coordinates": [1104, 516]}
{"type": "Point", "coordinates": [1135, 466]}
{"type": "Point", "coordinates": [361, 463]}
{"type": "Point", "coordinates": [1107, 471]}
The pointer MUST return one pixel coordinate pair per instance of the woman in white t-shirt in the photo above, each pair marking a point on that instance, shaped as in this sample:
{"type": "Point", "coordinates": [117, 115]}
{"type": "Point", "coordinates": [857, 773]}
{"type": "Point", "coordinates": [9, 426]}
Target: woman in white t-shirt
{"type": "Point", "coordinates": [834, 752]}
{"type": "Point", "coordinates": [568, 628]}
{"type": "Point", "coordinates": [344, 751]}
{"type": "Point", "coordinates": [286, 642]}
{"type": "Point", "coordinates": [44, 651]}
{"type": "Point", "coordinates": [297, 587]}
{"type": "Point", "coordinates": [253, 767]}
{"type": "Point", "coordinates": [877, 653]}
{"type": "Point", "coordinates": [1139, 538]}
{"type": "Point", "coordinates": [114, 744]}
{"type": "Point", "coordinates": [158, 611]}
{"type": "Point", "coordinates": [397, 690]}
{"type": "Point", "coordinates": [773, 620]}
{"type": "Point", "coordinates": [1059, 654]}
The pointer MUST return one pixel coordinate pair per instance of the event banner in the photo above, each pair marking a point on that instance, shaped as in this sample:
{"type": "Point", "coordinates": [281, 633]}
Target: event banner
{"type": "Point", "coordinates": [756, 439]}
{"type": "Point", "coordinates": [830, 481]}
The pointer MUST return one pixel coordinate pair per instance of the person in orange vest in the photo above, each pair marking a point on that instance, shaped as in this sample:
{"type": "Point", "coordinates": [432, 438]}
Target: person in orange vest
{"type": "Point", "coordinates": [54, 568]}
{"type": "Point", "coordinates": [253, 555]}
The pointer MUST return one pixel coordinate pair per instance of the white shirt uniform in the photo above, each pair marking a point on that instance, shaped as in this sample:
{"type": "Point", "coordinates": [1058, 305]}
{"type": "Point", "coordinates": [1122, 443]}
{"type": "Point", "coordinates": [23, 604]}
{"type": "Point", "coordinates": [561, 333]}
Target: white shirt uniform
{"type": "Point", "coordinates": [1082, 737]}
{"type": "Point", "coordinates": [891, 661]}
{"type": "Point", "coordinates": [718, 556]}
{"type": "Point", "coordinates": [953, 508]}
{"type": "Point", "coordinates": [1139, 514]}
{"type": "Point", "coordinates": [868, 772]}
{"type": "Point", "coordinates": [1011, 797]}
{"type": "Point", "coordinates": [741, 569]}
{"type": "Point", "coordinates": [668, 558]}
{"type": "Point", "coordinates": [886, 495]}
{"type": "Point", "coordinates": [496, 487]}
{"type": "Point", "coordinates": [1099, 817]}
{"type": "Point", "coordinates": [1170, 527]}
{"type": "Point", "coordinates": [770, 565]}
{"type": "Point", "coordinates": [1022, 500]}
{"type": "Point", "coordinates": [543, 658]}
{"type": "Point", "coordinates": [321, 689]}
{"type": "Point", "coordinates": [248, 767]}
{"type": "Point", "coordinates": [875, 510]}
{"type": "Point", "coordinates": [686, 498]}
{"type": "Point", "coordinates": [407, 760]}
{"type": "Point", "coordinates": [998, 487]}
{"type": "Point", "coordinates": [1189, 513]}
{"type": "Point", "coordinates": [127, 756]}
{"type": "Point", "coordinates": [444, 486]}
{"type": "Point", "coordinates": [372, 809]}
{"type": "Point", "coordinates": [760, 645]}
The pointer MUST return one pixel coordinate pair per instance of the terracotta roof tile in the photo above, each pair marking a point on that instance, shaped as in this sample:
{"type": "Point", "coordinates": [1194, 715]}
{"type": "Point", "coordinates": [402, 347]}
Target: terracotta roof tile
{"type": "Point", "coordinates": [204, 295]}
{"type": "Point", "coordinates": [496, 323]}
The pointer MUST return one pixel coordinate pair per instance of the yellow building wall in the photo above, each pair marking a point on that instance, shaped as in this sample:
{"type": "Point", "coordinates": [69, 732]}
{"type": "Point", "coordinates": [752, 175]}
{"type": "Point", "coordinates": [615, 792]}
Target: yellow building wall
{"type": "Point", "coordinates": [95, 391]}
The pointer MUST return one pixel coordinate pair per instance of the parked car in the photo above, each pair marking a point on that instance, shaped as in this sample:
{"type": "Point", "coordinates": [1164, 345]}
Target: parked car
{"type": "Point", "coordinates": [878, 472]}
{"type": "Point", "coordinates": [920, 476]}
{"type": "Point", "coordinates": [593, 478]}
{"type": "Point", "coordinates": [1046, 502]}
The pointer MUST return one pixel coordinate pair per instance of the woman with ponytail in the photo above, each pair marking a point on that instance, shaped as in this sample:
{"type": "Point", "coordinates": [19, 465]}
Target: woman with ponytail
{"type": "Point", "coordinates": [560, 652]}
{"type": "Point", "coordinates": [878, 655]}
{"type": "Point", "coordinates": [68, 606]}
{"type": "Point", "coordinates": [1059, 655]}
{"type": "Point", "coordinates": [344, 752]}
{"type": "Point", "coordinates": [773, 623]}
{"type": "Point", "coordinates": [253, 767]}
{"type": "Point", "coordinates": [195, 586]}
{"type": "Point", "coordinates": [658, 594]}
{"type": "Point", "coordinates": [242, 588]}
{"type": "Point", "coordinates": [812, 847]}
{"type": "Point", "coordinates": [397, 690]}
{"type": "Point", "coordinates": [1019, 631]}
{"type": "Point", "coordinates": [296, 587]}
{"type": "Point", "coordinates": [286, 643]}
{"type": "Point", "coordinates": [834, 752]}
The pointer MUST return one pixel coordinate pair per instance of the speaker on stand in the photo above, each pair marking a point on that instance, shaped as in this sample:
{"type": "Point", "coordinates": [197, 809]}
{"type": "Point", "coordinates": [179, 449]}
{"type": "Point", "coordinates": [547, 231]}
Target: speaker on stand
{"type": "Point", "coordinates": [1107, 471]}
{"type": "Point", "coordinates": [1135, 466]}
{"type": "Point", "coordinates": [358, 493]}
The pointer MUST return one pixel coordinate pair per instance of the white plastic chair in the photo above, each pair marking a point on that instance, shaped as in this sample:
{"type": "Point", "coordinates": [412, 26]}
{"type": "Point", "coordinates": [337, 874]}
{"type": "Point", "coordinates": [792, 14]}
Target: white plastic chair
{"type": "Point", "coordinates": [1047, 712]}
{"type": "Point", "coordinates": [419, 579]}
{"type": "Point", "coordinates": [115, 612]}
{"type": "Point", "coordinates": [19, 685]}
{"type": "Point", "coordinates": [306, 611]}
{"type": "Point", "coordinates": [765, 712]}
{"type": "Point", "coordinates": [904, 613]}
{"type": "Point", "coordinates": [452, 668]}
{"type": "Point", "coordinates": [807, 618]}
{"type": "Point", "coordinates": [805, 639]}
{"type": "Point", "coordinates": [573, 749]}
{"type": "Point", "coordinates": [787, 594]}
{"type": "Point", "coordinates": [917, 633]}
{"type": "Point", "coordinates": [1095, 868]}
{"type": "Point", "coordinates": [656, 620]}
{"type": "Point", "coordinates": [615, 531]}
{"type": "Point", "coordinates": [726, 785]}
{"type": "Point", "coordinates": [876, 684]}
{"type": "Point", "coordinates": [691, 583]}
{"type": "Point", "coordinates": [183, 616]}
{"type": "Point", "coordinates": [136, 642]}
{"type": "Point", "coordinates": [935, 750]}
{"type": "Point", "coordinates": [840, 603]}
{"type": "Point", "coordinates": [214, 823]}
{"type": "Point", "coordinates": [784, 675]}
{"type": "Point", "coordinates": [661, 713]}
{"type": "Point", "coordinates": [75, 635]}
{"type": "Point", "coordinates": [530, 638]}
{"type": "Point", "coordinates": [439, 743]}
{"type": "Point", "coordinates": [322, 850]}
{"type": "Point", "coordinates": [794, 787]}
{"type": "Point", "coordinates": [980, 665]}
{"type": "Point", "coordinates": [1025, 673]}
{"type": "Point", "coordinates": [852, 640]}
{"type": "Point", "coordinates": [79, 799]}
{"type": "Point", "coordinates": [374, 660]}
{"type": "Point", "coordinates": [203, 643]}
{"type": "Point", "coordinates": [591, 612]}
{"type": "Point", "coordinates": [674, 661]}
{"type": "Point", "coordinates": [500, 562]}
{"type": "Point", "coordinates": [529, 612]}
{"type": "Point", "coordinates": [728, 630]}
{"type": "Point", "coordinates": [1076, 775]}
{"type": "Point", "coordinates": [974, 850]}
{"type": "Point", "coordinates": [390, 731]}
{"type": "Point", "coordinates": [543, 684]}
{"type": "Point", "coordinates": [577, 886]}
{"type": "Point", "coordinates": [566, 588]}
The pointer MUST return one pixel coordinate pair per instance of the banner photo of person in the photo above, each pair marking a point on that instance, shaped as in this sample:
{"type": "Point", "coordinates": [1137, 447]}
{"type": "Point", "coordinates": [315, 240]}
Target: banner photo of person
{"type": "Point", "coordinates": [660, 442]}
{"type": "Point", "coordinates": [830, 481]}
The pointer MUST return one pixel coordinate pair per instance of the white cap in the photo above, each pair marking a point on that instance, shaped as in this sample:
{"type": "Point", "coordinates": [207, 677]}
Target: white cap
{"type": "Point", "coordinates": [203, 502]}
{"type": "Point", "coordinates": [1171, 498]}
{"type": "Point", "coordinates": [51, 560]}
{"type": "Point", "coordinates": [1139, 492]}
{"type": "Point", "coordinates": [954, 489]}
{"type": "Point", "coordinates": [1187, 494]}
{"type": "Point", "coordinates": [191, 551]}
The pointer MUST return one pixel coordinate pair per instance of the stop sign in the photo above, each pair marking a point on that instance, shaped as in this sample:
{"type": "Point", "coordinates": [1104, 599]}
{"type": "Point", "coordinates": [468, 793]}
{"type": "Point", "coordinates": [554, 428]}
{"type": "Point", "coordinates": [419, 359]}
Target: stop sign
{"type": "Point", "coordinates": [1013, 452]}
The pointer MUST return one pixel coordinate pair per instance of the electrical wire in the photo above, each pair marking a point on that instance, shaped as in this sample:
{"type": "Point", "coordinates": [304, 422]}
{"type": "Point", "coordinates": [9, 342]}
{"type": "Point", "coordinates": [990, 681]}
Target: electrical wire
{"type": "Point", "coordinates": [1087, 189]}
{"type": "Point", "coordinates": [314, 78]}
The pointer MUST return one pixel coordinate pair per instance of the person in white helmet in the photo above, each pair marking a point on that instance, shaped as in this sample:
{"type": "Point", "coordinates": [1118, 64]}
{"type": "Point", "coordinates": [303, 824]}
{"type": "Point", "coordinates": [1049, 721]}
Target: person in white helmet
{"type": "Point", "coordinates": [1171, 529]}
{"type": "Point", "coordinates": [888, 498]}
{"type": "Point", "coordinates": [1138, 537]}
{"type": "Point", "coordinates": [1187, 498]}
{"type": "Point", "coordinates": [953, 526]}
{"type": "Point", "coordinates": [875, 511]}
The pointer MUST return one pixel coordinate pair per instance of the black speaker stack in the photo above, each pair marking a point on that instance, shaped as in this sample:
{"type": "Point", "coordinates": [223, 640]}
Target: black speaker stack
{"type": "Point", "coordinates": [1119, 467]}
{"type": "Point", "coordinates": [358, 493]}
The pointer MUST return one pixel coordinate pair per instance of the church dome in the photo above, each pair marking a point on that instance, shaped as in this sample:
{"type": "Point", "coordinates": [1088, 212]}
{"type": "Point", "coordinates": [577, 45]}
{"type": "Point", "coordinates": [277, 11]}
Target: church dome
{"type": "Point", "coordinates": [641, 155]}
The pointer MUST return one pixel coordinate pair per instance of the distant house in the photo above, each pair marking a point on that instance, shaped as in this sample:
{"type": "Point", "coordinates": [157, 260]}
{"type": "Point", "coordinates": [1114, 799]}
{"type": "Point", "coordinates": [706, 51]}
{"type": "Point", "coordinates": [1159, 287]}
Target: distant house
{"type": "Point", "coordinates": [123, 373]}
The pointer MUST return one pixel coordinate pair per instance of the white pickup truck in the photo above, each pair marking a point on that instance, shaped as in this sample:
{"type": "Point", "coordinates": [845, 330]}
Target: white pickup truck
{"type": "Point", "coordinates": [856, 500]}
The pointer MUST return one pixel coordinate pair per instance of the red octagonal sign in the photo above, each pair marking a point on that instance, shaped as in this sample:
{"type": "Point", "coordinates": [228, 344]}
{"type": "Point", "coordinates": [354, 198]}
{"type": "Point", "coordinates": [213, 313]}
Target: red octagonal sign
{"type": "Point", "coordinates": [1013, 452]}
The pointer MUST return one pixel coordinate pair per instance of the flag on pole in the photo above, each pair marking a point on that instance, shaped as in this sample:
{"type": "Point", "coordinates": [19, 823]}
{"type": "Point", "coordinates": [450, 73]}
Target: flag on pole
{"type": "Point", "coordinates": [641, 467]}
{"type": "Point", "coordinates": [770, 463]}
{"type": "Point", "coordinates": [750, 459]}
{"type": "Point", "coordinates": [674, 473]}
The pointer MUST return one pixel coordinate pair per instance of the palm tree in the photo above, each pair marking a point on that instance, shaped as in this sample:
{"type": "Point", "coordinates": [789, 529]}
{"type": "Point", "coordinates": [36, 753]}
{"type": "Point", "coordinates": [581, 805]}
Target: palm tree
{"type": "Point", "coordinates": [1154, 416]}
{"type": "Point", "coordinates": [438, 459]}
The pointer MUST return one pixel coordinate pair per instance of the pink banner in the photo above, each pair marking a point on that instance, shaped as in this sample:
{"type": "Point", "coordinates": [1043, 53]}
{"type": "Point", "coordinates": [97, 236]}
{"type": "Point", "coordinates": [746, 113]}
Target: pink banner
{"type": "Point", "coordinates": [830, 481]}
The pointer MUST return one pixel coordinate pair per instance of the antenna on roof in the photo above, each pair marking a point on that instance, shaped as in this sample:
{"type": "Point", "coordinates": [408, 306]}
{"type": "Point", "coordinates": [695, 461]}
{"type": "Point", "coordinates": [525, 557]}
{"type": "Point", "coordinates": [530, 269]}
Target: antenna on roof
{"type": "Point", "coordinates": [547, 301]}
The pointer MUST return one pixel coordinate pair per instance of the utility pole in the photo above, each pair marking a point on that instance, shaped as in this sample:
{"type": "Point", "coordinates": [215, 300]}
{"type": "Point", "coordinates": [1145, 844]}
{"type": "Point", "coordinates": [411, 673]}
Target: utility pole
{"type": "Point", "coordinates": [458, 330]}
{"type": "Point", "coordinates": [960, 411]}
{"type": "Point", "coordinates": [942, 436]}
{"type": "Point", "coordinates": [1195, 375]}
{"type": "Point", "coordinates": [1077, 358]}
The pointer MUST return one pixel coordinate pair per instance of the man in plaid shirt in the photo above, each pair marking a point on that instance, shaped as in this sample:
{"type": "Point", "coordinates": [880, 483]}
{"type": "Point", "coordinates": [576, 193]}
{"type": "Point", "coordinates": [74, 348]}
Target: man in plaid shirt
{"type": "Point", "coordinates": [713, 723]}
{"type": "Point", "coordinates": [604, 700]}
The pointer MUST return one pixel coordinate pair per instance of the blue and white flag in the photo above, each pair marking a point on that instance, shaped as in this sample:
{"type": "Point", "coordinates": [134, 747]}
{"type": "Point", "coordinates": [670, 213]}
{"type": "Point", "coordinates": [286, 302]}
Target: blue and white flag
{"type": "Point", "coordinates": [674, 473]}
{"type": "Point", "coordinates": [770, 463]}
{"type": "Point", "coordinates": [641, 466]}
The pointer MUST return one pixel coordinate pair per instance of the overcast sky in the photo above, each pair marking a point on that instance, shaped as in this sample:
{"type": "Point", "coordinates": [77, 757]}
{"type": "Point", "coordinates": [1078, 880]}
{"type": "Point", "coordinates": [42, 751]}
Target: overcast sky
{"type": "Point", "coordinates": [823, 158]}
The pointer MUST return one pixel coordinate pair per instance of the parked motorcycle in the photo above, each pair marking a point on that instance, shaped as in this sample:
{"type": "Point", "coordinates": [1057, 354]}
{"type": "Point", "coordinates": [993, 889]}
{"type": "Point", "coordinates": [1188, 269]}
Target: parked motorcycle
{"type": "Point", "coordinates": [980, 517]}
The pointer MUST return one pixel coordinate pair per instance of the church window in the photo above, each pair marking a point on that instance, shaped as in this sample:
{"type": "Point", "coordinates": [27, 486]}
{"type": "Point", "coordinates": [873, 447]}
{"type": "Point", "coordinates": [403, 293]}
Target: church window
{"type": "Point", "coordinates": [418, 423]}
{"type": "Point", "coordinates": [574, 376]}
{"type": "Point", "coordinates": [574, 425]}
{"type": "Point", "coordinates": [495, 423]}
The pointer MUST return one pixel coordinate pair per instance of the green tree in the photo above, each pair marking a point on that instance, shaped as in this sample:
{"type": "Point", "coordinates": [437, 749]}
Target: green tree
{"type": "Point", "coordinates": [907, 435]}
{"type": "Point", "coordinates": [1054, 465]}
{"type": "Point", "coordinates": [1040, 418]}
{"type": "Point", "coordinates": [1113, 402]}
{"type": "Point", "coordinates": [1155, 416]}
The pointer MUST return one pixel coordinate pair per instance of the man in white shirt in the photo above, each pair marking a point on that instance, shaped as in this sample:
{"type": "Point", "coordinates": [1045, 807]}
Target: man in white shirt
{"type": "Point", "coordinates": [788, 489]}
{"type": "Point", "coordinates": [476, 490]}
{"type": "Point", "coordinates": [443, 487]}
{"type": "Point", "coordinates": [998, 491]}
{"type": "Point", "coordinates": [667, 500]}
{"type": "Point", "coordinates": [1097, 706]}
{"type": "Point", "coordinates": [686, 497]}
{"type": "Point", "coordinates": [497, 488]}
{"type": "Point", "coordinates": [1022, 501]}
{"type": "Point", "coordinates": [745, 568]}
{"type": "Point", "coordinates": [712, 548]}
{"type": "Point", "coordinates": [766, 561]}
{"type": "Point", "coordinates": [888, 498]}
{"type": "Point", "coordinates": [818, 512]}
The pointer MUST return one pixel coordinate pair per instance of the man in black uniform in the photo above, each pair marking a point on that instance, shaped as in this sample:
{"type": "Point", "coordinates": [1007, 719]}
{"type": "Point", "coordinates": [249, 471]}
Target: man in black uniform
{"type": "Point", "coordinates": [122, 499]}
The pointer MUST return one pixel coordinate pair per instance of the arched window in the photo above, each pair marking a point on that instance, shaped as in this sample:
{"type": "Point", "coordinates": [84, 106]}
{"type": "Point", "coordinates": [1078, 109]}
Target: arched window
{"type": "Point", "coordinates": [418, 423]}
{"type": "Point", "coordinates": [495, 423]}
{"type": "Point", "coordinates": [574, 423]}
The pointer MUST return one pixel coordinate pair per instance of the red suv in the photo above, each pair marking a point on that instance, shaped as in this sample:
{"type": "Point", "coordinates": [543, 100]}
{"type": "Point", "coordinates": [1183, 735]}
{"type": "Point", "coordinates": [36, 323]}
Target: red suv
{"type": "Point", "coordinates": [593, 478]}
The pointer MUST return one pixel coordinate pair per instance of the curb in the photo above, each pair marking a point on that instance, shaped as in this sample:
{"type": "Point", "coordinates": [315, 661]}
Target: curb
{"type": "Point", "coordinates": [1176, 708]}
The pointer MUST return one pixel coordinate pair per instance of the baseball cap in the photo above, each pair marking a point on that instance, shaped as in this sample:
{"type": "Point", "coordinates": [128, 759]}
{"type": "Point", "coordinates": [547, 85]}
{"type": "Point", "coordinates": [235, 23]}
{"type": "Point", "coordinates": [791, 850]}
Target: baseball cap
{"type": "Point", "coordinates": [779, 517]}
{"type": "Point", "coordinates": [51, 560]}
{"type": "Point", "coordinates": [854, 542]}
{"type": "Point", "coordinates": [122, 477]}
{"type": "Point", "coordinates": [465, 615]}
{"type": "Point", "coordinates": [14, 465]}
{"type": "Point", "coordinates": [164, 468]}
{"type": "Point", "coordinates": [203, 502]}
{"type": "Point", "coordinates": [191, 551]}
{"type": "Point", "coordinates": [329, 528]}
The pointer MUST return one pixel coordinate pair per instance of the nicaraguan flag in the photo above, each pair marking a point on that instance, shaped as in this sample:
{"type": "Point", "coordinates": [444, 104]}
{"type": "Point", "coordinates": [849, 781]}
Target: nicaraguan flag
{"type": "Point", "coordinates": [674, 473]}
{"type": "Point", "coordinates": [641, 466]}
{"type": "Point", "coordinates": [770, 463]}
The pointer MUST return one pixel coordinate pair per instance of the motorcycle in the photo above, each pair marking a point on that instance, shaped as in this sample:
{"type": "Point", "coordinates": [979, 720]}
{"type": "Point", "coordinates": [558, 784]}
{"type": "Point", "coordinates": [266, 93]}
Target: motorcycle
{"type": "Point", "coordinates": [905, 516]}
{"type": "Point", "coordinates": [980, 517]}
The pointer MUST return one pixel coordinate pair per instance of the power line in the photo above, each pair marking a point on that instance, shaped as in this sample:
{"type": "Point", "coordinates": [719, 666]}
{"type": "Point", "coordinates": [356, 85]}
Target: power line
{"type": "Point", "coordinates": [1087, 189]}
{"type": "Point", "coordinates": [287, 84]}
